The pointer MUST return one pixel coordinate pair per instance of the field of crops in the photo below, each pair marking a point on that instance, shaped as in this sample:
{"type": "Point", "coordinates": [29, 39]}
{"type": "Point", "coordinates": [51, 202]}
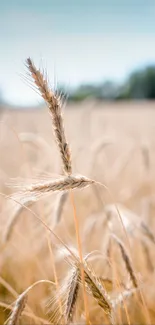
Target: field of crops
{"type": "Point", "coordinates": [81, 219]}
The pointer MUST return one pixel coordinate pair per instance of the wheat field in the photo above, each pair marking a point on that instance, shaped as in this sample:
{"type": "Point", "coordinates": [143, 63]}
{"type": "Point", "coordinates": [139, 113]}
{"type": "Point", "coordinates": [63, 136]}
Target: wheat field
{"type": "Point", "coordinates": [84, 254]}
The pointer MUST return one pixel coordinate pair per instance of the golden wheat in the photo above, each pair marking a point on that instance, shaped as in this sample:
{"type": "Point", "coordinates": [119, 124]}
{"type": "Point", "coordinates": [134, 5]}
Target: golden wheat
{"type": "Point", "coordinates": [54, 105]}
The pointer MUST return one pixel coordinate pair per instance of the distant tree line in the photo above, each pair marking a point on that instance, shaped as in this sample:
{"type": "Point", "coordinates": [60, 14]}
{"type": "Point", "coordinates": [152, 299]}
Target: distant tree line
{"type": "Point", "coordinates": [2, 102]}
{"type": "Point", "coordinates": [139, 85]}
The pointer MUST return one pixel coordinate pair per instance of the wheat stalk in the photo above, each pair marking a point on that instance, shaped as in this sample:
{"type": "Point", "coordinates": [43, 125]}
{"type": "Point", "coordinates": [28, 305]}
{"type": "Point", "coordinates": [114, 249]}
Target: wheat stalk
{"type": "Point", "coordinates": [126, 260]}
{"type": "Point", "coordinates": [54, 104]}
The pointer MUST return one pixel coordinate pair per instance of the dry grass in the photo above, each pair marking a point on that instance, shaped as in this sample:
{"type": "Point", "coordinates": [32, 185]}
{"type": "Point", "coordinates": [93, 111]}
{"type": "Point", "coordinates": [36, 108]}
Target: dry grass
{"type": "Point", "coordinates": [97, 261]}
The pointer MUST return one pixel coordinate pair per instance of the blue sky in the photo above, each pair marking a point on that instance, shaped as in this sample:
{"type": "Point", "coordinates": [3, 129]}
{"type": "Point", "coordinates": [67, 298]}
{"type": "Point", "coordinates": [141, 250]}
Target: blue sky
{"type": "Point", "coordinates": [77, 41]}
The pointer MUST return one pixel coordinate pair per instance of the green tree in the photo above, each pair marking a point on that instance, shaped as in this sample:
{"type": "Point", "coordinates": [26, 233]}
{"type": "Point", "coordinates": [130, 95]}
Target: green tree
{"type": "Point", "coordinates": [140, 85]}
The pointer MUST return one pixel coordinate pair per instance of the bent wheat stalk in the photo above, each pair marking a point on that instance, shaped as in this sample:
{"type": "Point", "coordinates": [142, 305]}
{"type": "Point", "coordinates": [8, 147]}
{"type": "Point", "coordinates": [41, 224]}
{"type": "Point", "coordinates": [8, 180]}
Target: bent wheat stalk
{"type": "Point", "coordinates": [55, 105]}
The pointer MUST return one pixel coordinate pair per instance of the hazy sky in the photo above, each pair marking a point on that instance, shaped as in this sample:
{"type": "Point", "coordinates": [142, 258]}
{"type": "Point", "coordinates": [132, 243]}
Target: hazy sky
{"type": "Point", "coordinates": [78, 41]}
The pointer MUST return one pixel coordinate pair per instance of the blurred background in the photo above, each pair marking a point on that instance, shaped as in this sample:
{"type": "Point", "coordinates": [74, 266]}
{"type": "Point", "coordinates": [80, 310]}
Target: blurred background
{"type": "Point", "coordinates": [104, 49]}
{"type": "Point", "coordinates": [101, 55]}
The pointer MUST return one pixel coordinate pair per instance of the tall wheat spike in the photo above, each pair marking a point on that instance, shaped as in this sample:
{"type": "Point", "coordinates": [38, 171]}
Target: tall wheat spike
{"type": "Point", "coordinates": [54, 104]}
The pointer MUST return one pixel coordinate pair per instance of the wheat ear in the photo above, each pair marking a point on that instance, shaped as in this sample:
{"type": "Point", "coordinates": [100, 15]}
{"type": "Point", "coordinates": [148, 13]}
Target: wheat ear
{"type": "Point", "coordinates": [18, 309]}
{"type": "Point", "coordinates": [93, 284]}
{"type": "Point", "coordinates": [126, 260]}
{"type": "Point", "coordinates": [54, 104]}
{"type": "Point", "coordinates": [97, 290]}
{"type": "Point", "coordinates": [72, 294]}
{"type": "Point", "coordinates": [38, 189]}
{"type": "Point", "coordinates": [21, 302]}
